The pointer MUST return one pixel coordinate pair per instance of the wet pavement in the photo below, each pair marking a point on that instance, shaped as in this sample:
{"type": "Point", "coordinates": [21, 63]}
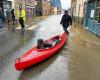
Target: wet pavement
{"type": "Point", "coordinates": [84, 51]}
{"type": "Point", "coordinates": [77, 60]}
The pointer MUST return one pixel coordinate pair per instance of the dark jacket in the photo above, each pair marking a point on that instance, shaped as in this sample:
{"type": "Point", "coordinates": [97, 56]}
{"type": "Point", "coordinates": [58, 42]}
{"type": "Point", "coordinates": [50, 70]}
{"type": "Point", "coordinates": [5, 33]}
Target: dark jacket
{"type": "Point", "coordinates": [66, 20]}
{"type": "Point", "coordinates": [13, 15]}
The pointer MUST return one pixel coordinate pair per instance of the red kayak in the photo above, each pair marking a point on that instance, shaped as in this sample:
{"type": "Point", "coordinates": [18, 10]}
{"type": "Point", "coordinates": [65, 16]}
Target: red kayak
{"type": "Point", "coordinates": [34, 55]}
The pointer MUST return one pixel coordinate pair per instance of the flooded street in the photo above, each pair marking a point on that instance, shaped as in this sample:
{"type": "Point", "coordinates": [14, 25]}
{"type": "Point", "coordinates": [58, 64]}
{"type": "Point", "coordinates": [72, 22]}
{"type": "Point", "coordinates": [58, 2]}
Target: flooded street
{"type": "Point", "coordinates": [77, 60]}
{"type": "Point", "coordinates": [84, 51]}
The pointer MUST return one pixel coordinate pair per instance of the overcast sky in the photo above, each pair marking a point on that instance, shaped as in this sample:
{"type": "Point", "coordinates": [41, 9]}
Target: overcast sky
{"type": "Point", "coordinates": [65, 4]}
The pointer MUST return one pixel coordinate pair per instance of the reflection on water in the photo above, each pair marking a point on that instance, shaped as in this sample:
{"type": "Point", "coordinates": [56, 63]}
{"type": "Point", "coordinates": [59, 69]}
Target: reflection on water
{"type": "Point", "coordinates": [46, 69]}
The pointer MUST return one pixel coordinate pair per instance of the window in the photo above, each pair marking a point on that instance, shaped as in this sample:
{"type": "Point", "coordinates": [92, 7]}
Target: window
{"type": "Point", "coordinates": [92, 4]}
{"type": "Point", "coordinates": [97, 14]}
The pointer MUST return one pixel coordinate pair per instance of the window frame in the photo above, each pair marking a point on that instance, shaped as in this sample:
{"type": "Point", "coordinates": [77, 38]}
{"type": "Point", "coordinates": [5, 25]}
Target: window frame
{"type": "Point", "coordinates": [97, 12]}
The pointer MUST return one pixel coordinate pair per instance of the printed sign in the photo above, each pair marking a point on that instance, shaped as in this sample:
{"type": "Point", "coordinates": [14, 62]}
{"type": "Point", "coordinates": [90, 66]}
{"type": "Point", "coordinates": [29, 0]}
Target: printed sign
{"type": "Point", "coordinates": [92, 14]}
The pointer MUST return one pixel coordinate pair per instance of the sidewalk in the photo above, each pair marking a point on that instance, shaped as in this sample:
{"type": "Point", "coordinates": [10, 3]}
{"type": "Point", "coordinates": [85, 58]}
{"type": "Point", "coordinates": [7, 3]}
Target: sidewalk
{"type": "Point", "coordinates": [29, 22]}
{"type": "Point", "coordinates": [84, 34]}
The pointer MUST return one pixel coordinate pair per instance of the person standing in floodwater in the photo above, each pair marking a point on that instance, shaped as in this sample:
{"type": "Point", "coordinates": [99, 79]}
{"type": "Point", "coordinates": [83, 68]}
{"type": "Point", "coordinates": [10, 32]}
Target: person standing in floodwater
{"type": "Point", "coordinates": [22, 17]}
{"type": "Point", "coordinates": [9, 15]}
{"type": "Point", "coordinates": [66, 21]}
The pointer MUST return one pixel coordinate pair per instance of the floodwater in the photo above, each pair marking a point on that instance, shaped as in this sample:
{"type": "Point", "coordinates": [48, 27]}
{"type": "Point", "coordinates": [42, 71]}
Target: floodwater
{"type": "Point", "coordinates": [77, 60]}
{"type": "Point", "coordinates": [84, 51]}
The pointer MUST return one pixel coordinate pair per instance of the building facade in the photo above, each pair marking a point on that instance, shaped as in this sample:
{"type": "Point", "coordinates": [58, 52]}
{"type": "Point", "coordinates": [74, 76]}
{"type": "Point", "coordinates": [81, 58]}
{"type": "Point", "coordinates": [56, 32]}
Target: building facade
{"type": "Point", "coordinates": [6, 4]}
{"type": "Point", "coordinates": [92, 18]}
{"type": "Point", "coordinates": [46, 7]}
{"type": "Point", "coordinates": [73, 7]}
{"type": "Point", "coordinates": [56, 6]}
{"type": "Point", "coordinates": [27, 5]}
{"type": "Point", "coordinates": [30, 8]}
{"type": "Point", "coordinates": [43, 7]}
{"type": "Point", "coordinates": [78, 10]}
{"type": "Point", "coordinates": [88, 13]}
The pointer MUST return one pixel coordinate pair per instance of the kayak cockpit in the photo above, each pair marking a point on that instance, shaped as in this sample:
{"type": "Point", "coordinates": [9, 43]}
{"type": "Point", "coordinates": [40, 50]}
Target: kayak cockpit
{"type": "Point", "coordinates": [48, 43]}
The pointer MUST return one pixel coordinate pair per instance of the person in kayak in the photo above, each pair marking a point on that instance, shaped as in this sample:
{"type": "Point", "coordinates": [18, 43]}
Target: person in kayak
{"type": "Point", "coordinates": [66, 21]}
{"type": "Point", "coordinates": [46, 44]}
{"type": "Point", "coordinates": [43, 44]}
